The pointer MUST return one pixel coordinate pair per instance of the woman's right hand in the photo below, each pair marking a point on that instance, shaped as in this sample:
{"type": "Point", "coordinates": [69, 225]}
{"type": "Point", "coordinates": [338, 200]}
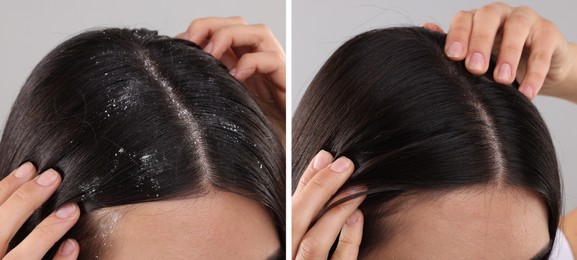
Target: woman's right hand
{"type": "Point", "coordinates": [528, 47]}
{"type": "Point", "coordinates": [252, 54]}
{"type": "Point", "coordinates": [316, 187]}
{"type": "Point", "coordinates": [21, 193]}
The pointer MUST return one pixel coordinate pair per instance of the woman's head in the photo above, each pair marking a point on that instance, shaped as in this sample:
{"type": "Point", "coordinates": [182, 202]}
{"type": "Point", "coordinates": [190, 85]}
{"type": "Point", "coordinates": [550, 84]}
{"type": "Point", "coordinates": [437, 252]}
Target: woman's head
{"type": "Point", "coordinates": [446, 156]}
{"type": "Point", "coordinates": [127, 117]}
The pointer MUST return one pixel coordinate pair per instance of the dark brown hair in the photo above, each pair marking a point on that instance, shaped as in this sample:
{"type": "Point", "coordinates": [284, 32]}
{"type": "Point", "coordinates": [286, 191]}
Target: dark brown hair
{"type": "Point", "coordinates": [128, 116]}
{"type": "Point", "coordinates": [413, 121]}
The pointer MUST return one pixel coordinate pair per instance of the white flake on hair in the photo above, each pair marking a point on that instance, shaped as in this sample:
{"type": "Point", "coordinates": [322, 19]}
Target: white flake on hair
{"type": "Point", "coordinates": [195, 135]}
{"type": "Point", "coordinates": [89, 190]}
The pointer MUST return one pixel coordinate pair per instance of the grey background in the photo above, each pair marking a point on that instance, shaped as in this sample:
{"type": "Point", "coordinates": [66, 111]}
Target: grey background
{"type": "Point", "coordinates": [30, 29]}
{"type": "Point", "coordinates": [321, 26]}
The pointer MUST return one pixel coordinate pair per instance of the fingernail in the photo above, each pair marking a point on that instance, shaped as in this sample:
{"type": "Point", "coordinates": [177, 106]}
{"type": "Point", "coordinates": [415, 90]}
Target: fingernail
{"type": "Point", "coordinates": [208, 47]}
{"type": "Point", "coordinates": [65, 211]}
{"type": "Point", "coordinates": [426, 25]}
{"type": "Point", "coordinates": [527, 91]}
{"type": "Point", "coordinates": [233, 72]}
{"type": "Point", "coordinates": [504, 72]}
{"type": "Point", "coordinates": [477, 61]}
{"type": "Point", "coordinates": [353, 218]}
{"type": "Point", "coordinates": [341, 164]}
{"type": "Point", "coordinates": [455, 50]}
{"type": "Point", "coordinates": [25, 170]}
{"type": "Point", "coordinates": [66, 248]}
{"type": "Point", "coordinates": [322, 160]}
{"type": "Point", "coordinates": [47, 178]}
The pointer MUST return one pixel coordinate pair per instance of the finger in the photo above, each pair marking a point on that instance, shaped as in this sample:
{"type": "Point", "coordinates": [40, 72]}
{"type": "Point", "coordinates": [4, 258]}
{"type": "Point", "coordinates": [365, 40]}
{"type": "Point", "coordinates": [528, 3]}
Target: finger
{"type": "Point", "coordinates": [15, 180]}
{"type": "Point", "coordinates": [271, 64]}
{"type": "Point", "coordinates": [24, 201]}
{"type": "Point", "coordinates": [539, 62]}
{"type": "Point", "coordinates": [69, 250]}
{"type": "Point", "coordinates": [319, 238]}
{"type": "Point", "coordinates": [458, 35]}
{"type": "Point", "coordinates": [229, 59]}
{"type": "Point", "coordinates": [432, 26]}
{"type": "Point", "coordinates": [486, 22]}
{"type": "Point", "coordinates": [201, 30]}
{"type": "Point", "coordinates": [321, 160]}
{"type": "Point", "coordinates": [515, 33]}
{"type": "Point", "coordinates": [183, 36]}
{"type": "Point", "coordinates": [322, 186]}
{"type": "Point", "coordinates": [46, 234]}
{"type": "Point", "coordinates": [257, 37]}
{"type": "Point", "coordinates": [350, 238]}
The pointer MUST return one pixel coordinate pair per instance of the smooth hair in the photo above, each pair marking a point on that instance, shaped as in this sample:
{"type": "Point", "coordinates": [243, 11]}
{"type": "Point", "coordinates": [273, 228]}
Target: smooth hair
{"type": "Point", "coordinates": [127, 116]}
{"type": "Point", "coordinates": [414, 123]}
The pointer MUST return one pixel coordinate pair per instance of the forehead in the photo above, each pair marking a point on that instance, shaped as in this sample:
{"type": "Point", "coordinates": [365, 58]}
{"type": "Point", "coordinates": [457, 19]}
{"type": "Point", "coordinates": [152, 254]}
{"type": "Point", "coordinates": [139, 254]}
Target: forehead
{"type": "Point", "coordinates": [484, 222]}
{"type": "Point", "coordinates": [219, 225]}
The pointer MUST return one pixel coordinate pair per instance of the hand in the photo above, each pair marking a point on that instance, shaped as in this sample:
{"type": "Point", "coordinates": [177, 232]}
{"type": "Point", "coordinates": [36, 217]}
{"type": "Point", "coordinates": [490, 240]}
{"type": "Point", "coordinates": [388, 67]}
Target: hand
{"type": "Point", "coordinates": [528, 47]}
{"type": "Point", "coordinates": [316, 187]}
{"type": "Point", "coordinates": [253, 56]}
{"type": "Point", "coordinates": [20, 195]}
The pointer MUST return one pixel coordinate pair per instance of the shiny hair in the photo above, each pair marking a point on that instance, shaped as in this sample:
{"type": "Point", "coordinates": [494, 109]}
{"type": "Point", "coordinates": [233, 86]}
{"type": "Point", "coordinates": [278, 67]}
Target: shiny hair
{"type": "Point", "coordinates": [128, 116]}
{"type": "Point", "coordinates": [413, 122]}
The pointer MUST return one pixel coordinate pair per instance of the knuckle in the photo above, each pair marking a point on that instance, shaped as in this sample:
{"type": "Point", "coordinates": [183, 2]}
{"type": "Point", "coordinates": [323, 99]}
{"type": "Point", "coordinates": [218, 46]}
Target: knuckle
{"type": "Point", "coordinates": [4, 189]}
{"type": "Point", "coordinates": [309, 248]}
{"type": "Point", "coordinates": [264, 28]}
{"type": "Point", "coordinates": [461, 30]}
{"type": "Point", "coordinates": [536, 75]}
{"type": "Point", "coordinates": [302, 183]}
{"type": "Point", "coordinates": [251, 56]}
{"type": "Point", "coordinates": [462, 15]}
{"type": "Point", "coordinates": [511, 49]}
{"type": "Point", "coordinates": [279, 56]}
{"type": "Point", "coordinates": [489, 9]}
{"type": "Point", "coordinates": [481, 40]}
{"type": "Point", "coordinates": [239, 19]}
{"type": "Point", "coordinates": [46, 231]}
{"type": "Point", "coordinates": [547, 26]}
{"type": "Point", "coordinates": [246, 61]}
{"type": "Point", "coordinates": [319, 184]}
{"type": "Point", "coordinates": [461, 25]}
{"type": "Point", "coordinates": [220, 33]}
{"type": "Point", "coordinates": [519, 18]}
{"type": "Point", "coordinates": [459, 34]}
{"type": "Point", "coordinates": [198, 23]}
{"type": "Point", "coordinates": [22, 196]}
{"type": "Point", "coordinates": [540, 57]}
{"type": "Point", "coordinates": [499, 4]}
{"type": "Point", "coordinates": [525, 10]}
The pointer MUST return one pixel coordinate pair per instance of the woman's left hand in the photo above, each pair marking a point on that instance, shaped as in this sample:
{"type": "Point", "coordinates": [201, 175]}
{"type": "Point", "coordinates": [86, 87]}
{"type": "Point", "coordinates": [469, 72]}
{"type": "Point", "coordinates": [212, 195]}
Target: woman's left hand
{"type": "Point", "coordinates": [252, 54]}
{"type": "Point", "coordinates": [318, 184]}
